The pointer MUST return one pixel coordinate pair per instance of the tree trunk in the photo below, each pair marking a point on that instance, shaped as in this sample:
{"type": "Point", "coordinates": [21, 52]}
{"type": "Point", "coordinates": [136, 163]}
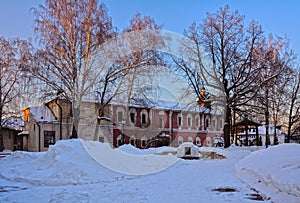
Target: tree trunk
{"type": "Point", "coordinates": [76, 119]}
{"type": "Point", "coordinates": [267, 114]}
{"type": "Point", "coordinates": [290, 122]}
{"type": "Point", "coordinates": [2, 147]}
{"type": "Point", "coordinates": [227, 127]}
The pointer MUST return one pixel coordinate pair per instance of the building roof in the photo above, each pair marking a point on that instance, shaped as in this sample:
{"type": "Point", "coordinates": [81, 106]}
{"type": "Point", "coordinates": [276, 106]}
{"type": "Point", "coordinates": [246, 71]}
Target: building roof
{"type": "Point", "coordinates": [42, 114]}
{"type": "Point", "coordinates": [13, 123]}
{"type": "Point", "coordinates": [247, 122]}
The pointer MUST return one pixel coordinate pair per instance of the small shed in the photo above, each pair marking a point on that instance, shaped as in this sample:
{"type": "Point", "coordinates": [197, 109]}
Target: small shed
{"type": "Point", "coordinates": [188, 150]}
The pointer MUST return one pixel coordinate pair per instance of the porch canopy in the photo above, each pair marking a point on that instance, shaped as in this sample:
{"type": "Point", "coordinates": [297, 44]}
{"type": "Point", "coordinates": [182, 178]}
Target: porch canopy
{"type": "Point", "coordinates": [245, 125]}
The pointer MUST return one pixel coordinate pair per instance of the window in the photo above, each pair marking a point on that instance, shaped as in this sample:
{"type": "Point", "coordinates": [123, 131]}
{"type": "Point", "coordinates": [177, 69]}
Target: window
{"type": "Point", "coordinates": [120, 140]}
{"type": "Point", "coordinates": [144, 142]}
{"type": "Point", "coordinates": [221, 123]}
{"type": "Point", "coordinates": [144, 115]}
{"type": "Point", "coordinates": [180, 140]}
{"type": "Point", "coordinates": [207, 122]}
{"type": "Point", "coordinates": [101, 139]}
{"type": "Point", "coordinates": [179, 120]}
{"type": "Point", "coordinates": [143, 118]}
{"type": "Point", "coordinates": [197, 122]}
{"type": "Point", "coordinates": [161, 122]}
{"type": "Point", "coordinates": [198, 141]}
{"type": "Point", "coordinates": [208, 141]}
{"type": "Point", "coordinates": [187, 151]}
{"type": "Point", "coordinates": [132, 140]}
{"type": "Point", "coordinates": [49, 138]}
{"type": "Point", "coordinates": [214, 123]}
{"type": "Point", "coordinates": [132, 117]}
{"type": "Point", "coordinates": [189, 121]}
{"type": "Point", "coordinates": [190, 139]}
{"type": "Point", "coordinates": [120, 116]}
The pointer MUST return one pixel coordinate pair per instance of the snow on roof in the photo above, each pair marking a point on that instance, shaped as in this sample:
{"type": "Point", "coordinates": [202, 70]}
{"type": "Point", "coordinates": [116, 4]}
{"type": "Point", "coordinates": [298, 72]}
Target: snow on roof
{"type": "Point", "coordinates": [42, 114]}
{"type": "Point", "coordinates": [13, 123]}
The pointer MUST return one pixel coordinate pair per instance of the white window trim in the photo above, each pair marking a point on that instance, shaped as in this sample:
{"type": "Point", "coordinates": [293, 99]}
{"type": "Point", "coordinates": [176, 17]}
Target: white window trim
{"type": "Point", "coordinates": [132, 138]}
{"type": "Point", "coordinates": [144, 111]}
{"type": "Point", "coordinates": [198, 141]}
{"type": "Point", "coordinates": [179, 115]}
{"type": "Point", "coordinates": [132, 110]}
{"type": "Point", "coordinates": [144, 139]}
{"type": "Point", "coordinates": [180, 140]}
{"type": "Point", "coordinates": [119, 138]}
{"type": "Point", "coordinates": [197, 124]}
{"type": "Point", "coordinates": [120, 109]}
{"type": "Point", "coordinates": [189, 125]}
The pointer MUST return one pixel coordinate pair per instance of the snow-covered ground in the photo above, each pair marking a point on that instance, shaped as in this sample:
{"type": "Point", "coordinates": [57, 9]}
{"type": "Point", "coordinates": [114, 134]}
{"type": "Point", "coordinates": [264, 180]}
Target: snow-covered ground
{"type": "Point", "coordinates": [86, 171]}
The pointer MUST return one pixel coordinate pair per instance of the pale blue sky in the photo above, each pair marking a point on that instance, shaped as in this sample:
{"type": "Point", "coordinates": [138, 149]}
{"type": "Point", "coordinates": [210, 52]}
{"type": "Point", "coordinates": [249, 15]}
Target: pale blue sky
{"type": "Point", "coordinates": [277, 17]}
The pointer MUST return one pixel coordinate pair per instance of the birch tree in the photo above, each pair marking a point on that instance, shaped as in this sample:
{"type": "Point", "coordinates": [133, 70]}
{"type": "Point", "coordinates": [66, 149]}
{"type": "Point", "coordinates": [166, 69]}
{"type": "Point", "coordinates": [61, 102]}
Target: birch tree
{"type": "Point", "coordinates": [69, 31]}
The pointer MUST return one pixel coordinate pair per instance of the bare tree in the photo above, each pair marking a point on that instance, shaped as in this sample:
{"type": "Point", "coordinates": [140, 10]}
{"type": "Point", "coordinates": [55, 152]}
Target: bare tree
{"type": "Point", "coordinates": [274, 59]}
{"type": "Point", "coordinates": [293, 105]}
{"type": "Point", "coordinates": [230, 48]}
{"type": "Point", "coordinates": [69, 31]}
{"type": "Point", "coordinates": [15, 57]}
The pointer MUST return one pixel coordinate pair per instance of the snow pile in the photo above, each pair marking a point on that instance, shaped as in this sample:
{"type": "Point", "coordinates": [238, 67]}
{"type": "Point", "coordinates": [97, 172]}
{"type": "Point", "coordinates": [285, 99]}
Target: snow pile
{"type": "Point", "coordinates": [129, 149]}
{"type": "Point", "coordinates": [65, 163]}
{"type": "Point", "coordinates": [274, 172]}
{"type": "Point", "coordinates": [132, 163]}
{"type": "Point", "coordinates": [73, 162]}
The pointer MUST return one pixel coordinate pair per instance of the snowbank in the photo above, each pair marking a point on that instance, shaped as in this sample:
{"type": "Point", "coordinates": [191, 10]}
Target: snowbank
{"type": "Point", "coordinates": [274, 172]}
{"type": "Point", "coordinates": [129, 149]}
{"type": "Point", "coordinates": [65, 163]}
{"type": "Point", "coordinates": [136, 162]}
{"type": "Point", "coordinates": [73, 162]}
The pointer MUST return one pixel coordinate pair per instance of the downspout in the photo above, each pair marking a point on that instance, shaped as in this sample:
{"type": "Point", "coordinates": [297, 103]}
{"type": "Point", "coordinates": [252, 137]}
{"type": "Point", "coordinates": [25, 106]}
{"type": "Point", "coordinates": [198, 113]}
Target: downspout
{"type": "Point", "coordinates": [172, 115]}
{"type": "Point", "coordinates": [60, 119]}
{"type": "Point", "coordinates": [39, 131]}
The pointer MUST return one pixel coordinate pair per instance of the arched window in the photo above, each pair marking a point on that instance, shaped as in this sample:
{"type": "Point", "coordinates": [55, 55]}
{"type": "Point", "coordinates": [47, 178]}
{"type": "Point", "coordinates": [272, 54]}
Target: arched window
{"type": "Point", "coordinates": [214, 123]}
{"type": "Point", "coordinates": [179, 120]}
{"type": "Point", "coordinates": [132, 140]}
{"type": "Point", "coordinates": [143, 142]}
{"type": "Point", "coordinates": [161, 119]}
{"type": "Point", "coordinates": [198, 141]}
{"type": "Point", "coordinates": [207, 122]}
{"type": "Point", "coordinates": [180, 140]}
{"type": "Point", "coordinates": [221, 123]}
{"type": "Point", "coordinates": [120, 140]}
{"type": "Point", "coordinates": [190, 139]}
{"type": "Point", "coordinates": [144, 116]}
{"type": "Point", "coordinates": [208, 141]}
{"type": "Point", "coordinates": [132, 116]}
{"type": "Point", "coordinates": [197, 120]}
{"type": "Point", "coordinates": [120, 114]}
{"type": "Point", "coordinates": [189, 120]}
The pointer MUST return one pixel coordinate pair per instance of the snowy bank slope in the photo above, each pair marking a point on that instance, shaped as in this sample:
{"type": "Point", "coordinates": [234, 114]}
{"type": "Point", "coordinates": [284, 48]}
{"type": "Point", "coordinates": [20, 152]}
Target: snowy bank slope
{"type": "Point", "coordinates": [72, 162]}
{"type": "Point", "coordinates": [128, 163]}
{"type": "Point", "coordinates": [274, 172]}
{"type": "Point", "coordinates": [65, 163]}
